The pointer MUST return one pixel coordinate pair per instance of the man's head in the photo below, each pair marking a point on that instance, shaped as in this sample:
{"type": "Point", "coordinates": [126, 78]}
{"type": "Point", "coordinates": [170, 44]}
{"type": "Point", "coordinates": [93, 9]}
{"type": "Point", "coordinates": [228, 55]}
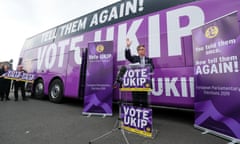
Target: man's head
{"type": "Point", "coordinates": [6, 67]}
{"type": "Point", "coordinates": [20, 67]}
{"type": "Point", "coordinates": [141, 50]}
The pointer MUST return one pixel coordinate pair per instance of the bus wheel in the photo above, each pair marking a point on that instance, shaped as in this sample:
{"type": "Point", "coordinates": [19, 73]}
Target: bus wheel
{"type": "Point", "coordinates": [38, 90]}
{"type": "Point", "coordinates": [56, 91]}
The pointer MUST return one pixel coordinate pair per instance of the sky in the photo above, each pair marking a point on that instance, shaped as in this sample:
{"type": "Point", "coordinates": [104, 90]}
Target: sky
{"type": "Point", "coordinates": [21, 19]}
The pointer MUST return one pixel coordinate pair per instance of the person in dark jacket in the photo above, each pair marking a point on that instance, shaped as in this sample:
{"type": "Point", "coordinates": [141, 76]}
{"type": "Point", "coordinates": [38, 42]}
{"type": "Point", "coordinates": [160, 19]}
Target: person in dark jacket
{"type": "Point", "coordinates": [1, 83]}
{"type": "Point", "coordinates": [7, 83]}
{"type": "Point", "coordinates": [19, 85]}
{"type": "Point", "coordinates": [139, 98]}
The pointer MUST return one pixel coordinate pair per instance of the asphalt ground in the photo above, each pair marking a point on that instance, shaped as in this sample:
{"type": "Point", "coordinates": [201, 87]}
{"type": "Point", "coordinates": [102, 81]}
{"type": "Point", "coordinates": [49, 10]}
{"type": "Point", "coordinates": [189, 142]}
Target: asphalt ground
{"type": "Point", "coordinates": [42, 122]}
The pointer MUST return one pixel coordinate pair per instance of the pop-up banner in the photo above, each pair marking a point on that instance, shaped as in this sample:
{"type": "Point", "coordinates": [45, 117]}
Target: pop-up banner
{"type": "Point", "coordinates": [216, 48]}
{"type": "Point", "coordinates": [99, 79]}
{"type": "Point", "coordinates": [137, 120]}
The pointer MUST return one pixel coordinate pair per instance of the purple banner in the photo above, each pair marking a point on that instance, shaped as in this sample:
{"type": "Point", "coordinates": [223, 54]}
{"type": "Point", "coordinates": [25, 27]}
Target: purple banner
{"type": "Point", "coordinates": [99, 79]}
{"type": "Point", "coordinates": [137, 119]}
{"type": "Point", "coordinates": [216, 69]}
{"type": "Point", "coordinates": [20, 76]}
{"type": "Point", "coordinates": [137, 78]}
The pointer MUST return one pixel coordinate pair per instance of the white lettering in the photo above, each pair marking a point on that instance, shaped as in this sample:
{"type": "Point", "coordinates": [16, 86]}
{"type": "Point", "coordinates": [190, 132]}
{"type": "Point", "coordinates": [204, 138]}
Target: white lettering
{"type": "Point", "coordinates": [41, 54]}
{"type": "Point", "coordinates": [103, 16]}
{"type": "Point", "coordinates": [94, 20]}
{"type": "Point", "coordinates": [154, 36]}
{"type": "Point", "coordinates": [62, 44]}
{"type": "Point", "coordinates": [97, 36]}
{"type": "Point", "coordinates": [110, 34]}
{"type": "Point", "coordinates": [73, 27]}
{"type": "Point", "coordinates": [50, 56]}
{"type": "Point", "coordinates": [173, 86]}
{"type": "Point", "coordinates": [131, 7]}
{"type": "Point", "coordinates": [74, 47]}
{"type": "Point", "coordinates": [123, 34]}
{"type": "Point", "coordinates": [113, 14]}
{"type": "Point", "coordinates": [195, 17]}
{"type": "Point", "coordinates": [217, 68]}
{"type": "Point", "coordinates": [49, 35]}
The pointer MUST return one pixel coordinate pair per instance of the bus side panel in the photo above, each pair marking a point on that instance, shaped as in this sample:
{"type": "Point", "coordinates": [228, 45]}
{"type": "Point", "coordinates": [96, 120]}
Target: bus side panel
{"type": "Point", "coordinates": [51, 63]}
{"type": "Point", "coordinates": [74, 62]}
{"type": "Point", "coordinates": [188, 51]}
{"type": "Point", "coordinates": [173, 87]}
{"type": "Point", "coordinates": [73, 76]}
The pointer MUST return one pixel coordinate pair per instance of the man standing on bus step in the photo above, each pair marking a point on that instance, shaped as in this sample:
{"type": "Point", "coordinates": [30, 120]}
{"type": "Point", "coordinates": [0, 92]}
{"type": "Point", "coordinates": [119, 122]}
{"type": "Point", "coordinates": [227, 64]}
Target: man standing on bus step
{"type": "Point", "coordinates": [19, 84]}
{"type": "Point", "coordinates": [139, 98]}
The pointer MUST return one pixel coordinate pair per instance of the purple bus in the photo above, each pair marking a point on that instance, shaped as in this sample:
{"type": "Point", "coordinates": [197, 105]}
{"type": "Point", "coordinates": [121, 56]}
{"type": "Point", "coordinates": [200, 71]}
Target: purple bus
{"type": "Point", "coordinates": [58, 56]}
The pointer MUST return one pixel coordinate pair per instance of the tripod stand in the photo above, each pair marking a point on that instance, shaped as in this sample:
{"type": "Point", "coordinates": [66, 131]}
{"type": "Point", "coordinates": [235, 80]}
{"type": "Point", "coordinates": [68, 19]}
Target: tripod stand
{"type": "Point", "coordinates": [117, 125]}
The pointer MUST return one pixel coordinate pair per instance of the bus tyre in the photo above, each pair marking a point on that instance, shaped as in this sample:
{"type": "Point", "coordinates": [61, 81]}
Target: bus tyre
{"type": "Point", "coordinates": [56, 91]}
{"type": "Point", "coordinates": [38, 89]}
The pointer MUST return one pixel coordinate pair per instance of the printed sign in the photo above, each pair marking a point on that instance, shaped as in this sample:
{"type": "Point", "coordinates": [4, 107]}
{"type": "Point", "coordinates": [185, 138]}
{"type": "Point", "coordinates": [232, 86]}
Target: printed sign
{"type": "Point", "coordinates": [137, 120]}
{"type": "Point", "coordinates": [137, 78]}
{"type": "Point", "coordinates": [216, 48]}
{"type": "Point", "coordinates": [99, 79]}
{"type": "Point", "coordinates": [20, 76]}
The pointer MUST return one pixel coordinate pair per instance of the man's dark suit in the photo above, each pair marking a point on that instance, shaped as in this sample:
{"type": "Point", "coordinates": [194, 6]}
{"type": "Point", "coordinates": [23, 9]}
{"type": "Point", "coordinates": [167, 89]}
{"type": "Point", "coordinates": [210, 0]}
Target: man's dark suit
{"type": "Point", "coordinates": [139, 98]}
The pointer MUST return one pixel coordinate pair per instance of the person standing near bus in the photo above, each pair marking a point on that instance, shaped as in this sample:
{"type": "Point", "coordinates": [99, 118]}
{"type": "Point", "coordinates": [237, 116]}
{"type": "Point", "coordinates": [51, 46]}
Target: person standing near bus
{"type": "Point", "coordinates": [1, 83]}
{"type": "Point", "coordinates": [7, 83]}
{"type": "Point", "coordinates": [139, 98]}
{"type": "Point", "coordinates": [19, 85]}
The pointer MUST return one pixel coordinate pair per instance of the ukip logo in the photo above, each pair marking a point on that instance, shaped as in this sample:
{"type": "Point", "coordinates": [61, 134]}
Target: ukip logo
{"type": "Point", "coordinates": [211, 32]}
{"type": "Point", "coordinates": [100, 48]}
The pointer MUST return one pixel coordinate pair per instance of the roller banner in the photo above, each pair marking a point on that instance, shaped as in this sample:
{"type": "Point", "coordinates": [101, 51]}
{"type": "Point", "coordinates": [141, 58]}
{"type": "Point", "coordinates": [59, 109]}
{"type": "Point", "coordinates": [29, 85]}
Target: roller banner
{"type": "Point", "coordinates": [216, 50]}
{"type": "Point", "coordinates": [99, 79]}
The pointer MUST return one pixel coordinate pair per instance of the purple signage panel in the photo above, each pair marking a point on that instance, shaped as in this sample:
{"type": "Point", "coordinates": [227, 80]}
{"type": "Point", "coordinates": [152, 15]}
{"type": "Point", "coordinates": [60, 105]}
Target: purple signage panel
{"type": "Point", "coordinates": [137, 78]}
{"type": "Point", "coordinates": [137, 120]}
{"type": "Point", "coordinates": [20, 76]}
{"type": "Point", "coordinates": [99, 79]}
{"type": "Point", "coordinates": [216, 49]}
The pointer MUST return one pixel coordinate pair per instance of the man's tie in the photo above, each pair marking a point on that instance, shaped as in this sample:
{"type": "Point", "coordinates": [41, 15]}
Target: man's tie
{"type": "Point", "coordinates": [142, 61]}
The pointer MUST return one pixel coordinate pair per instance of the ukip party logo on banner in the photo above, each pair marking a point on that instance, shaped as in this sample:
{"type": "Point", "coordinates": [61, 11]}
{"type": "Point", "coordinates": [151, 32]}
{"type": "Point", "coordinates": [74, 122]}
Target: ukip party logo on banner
{"type": "Point", "coordinates": [216, 69]}
{"type": "Point", "coordinates": [137, 78]}
{"type": "Point", "coordinates": [137, 120]}
{"type": "Point", "coordinates": [211, 32]}
{"type": "Point", "coordinates": [100, 48]}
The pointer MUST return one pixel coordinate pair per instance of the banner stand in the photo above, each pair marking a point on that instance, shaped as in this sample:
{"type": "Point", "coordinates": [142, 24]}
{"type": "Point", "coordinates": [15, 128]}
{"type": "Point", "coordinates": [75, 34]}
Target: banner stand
{"type": "Point", "coordinates": [217, 90]}
{"type": "Point", "coordinates": [117, 125]}
{"type": "Point", "coordinates": [208, 131]}
{"type": "Point", "coordinates": [95, 114]}
{"type": "Point", "coordinates": [98, 90]}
